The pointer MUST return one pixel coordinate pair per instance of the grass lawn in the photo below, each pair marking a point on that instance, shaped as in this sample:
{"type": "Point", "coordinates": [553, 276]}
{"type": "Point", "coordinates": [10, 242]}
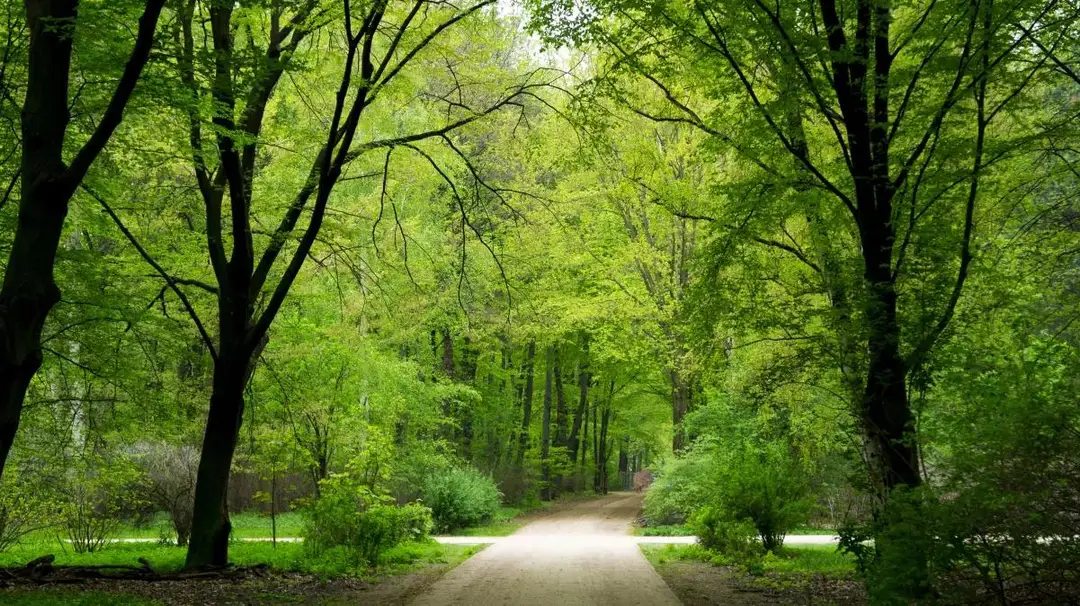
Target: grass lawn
{"type": "Point", "coordinates": [795, 560]}
{"type": "Point", "coordinates": [681, 530]}
{"type": "Point", "coordinates": [796, 575]}
{"type": "Point", "coordinates": [672, 530]}
{"type": "Point", "coordinates": [286, 557]}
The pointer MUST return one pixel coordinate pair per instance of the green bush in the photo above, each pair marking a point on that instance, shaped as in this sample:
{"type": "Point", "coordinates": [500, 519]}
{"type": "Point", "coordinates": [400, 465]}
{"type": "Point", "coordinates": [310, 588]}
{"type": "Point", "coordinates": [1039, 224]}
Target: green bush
{"type": "Point", "coordinates": [768, 488]}
{"type": "Point", "coordinates": [96, 496]}
{"type": "Point", "coordinates": [24, 509]}
{"type": "Point", "coordinates": [718, 531]}
{"type": "Point", "coordinates": [680, 487]}
{"type": "Point", "coordinates": [755, 482]}
{"type": "Point", "coordinates": [461, 497]}
{"type": "Point", "coordinates": [349, 518]}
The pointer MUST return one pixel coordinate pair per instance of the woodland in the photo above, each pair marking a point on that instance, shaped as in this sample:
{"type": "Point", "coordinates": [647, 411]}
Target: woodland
{"type": "Point", "coordinates": [396, 265]}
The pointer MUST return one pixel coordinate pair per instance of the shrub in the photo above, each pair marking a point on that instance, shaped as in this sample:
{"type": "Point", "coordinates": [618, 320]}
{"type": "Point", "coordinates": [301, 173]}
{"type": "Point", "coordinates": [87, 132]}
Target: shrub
{"type": "Point", "coordinates": [751, 481]}
{"type": "Point", "coordinates": [170, 471]}
{"type": "Point", "coordinates": [461, 497]}
{"type": "Point", "coordinates": [385, 526]}
{"type": "Point", "coordinates": [768, 488]}
{"type": "Point", "coordinates": [718, 531]}
{"type": "Point", "coordinates": [23, 510]}
{"type": "Point", "coordinates": [410, 470]}
{"type": "Point", "coordinates": [98, 494]}
{"type": "Point", "coordinates": [348, 517]}
{"type": "Point", "coordinates": [680, 487]}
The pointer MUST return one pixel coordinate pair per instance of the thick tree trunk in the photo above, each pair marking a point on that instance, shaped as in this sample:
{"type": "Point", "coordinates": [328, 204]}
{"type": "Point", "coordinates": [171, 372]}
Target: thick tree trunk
{"type": "Point", "coordinates": [526, 415]}
{"type": "Point", "coordinates": [545, 431]}
{"type": "Point", "coordinates": [209, 545]}
{"type": "Point", "coordinates": [889, 433]}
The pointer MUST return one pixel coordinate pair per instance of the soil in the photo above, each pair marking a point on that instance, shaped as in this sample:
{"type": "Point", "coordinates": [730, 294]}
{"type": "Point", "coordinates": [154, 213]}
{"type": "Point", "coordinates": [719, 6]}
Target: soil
{"type": "Point", "coordinates": [703, 584]}
{"type": "Point", "coordinates": [269, 587]}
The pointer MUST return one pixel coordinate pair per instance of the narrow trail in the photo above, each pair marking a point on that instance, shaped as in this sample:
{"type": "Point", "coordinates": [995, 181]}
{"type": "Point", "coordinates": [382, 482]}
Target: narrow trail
{"type": "Point", "coordinates": [580, 555]}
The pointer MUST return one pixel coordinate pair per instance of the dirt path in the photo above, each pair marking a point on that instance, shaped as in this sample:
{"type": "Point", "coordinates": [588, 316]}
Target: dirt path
{"type": "Point", "coordinates": [579, 555]}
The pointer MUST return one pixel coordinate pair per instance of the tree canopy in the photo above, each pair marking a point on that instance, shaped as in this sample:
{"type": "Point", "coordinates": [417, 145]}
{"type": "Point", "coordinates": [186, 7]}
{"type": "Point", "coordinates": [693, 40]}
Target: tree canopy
{"type": "Point", "coordinates": [830, 244]}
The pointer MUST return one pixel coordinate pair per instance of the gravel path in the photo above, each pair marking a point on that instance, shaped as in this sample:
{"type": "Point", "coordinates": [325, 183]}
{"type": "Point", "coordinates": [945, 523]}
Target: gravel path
{"type": "Point", "coordinates": [579, 555]}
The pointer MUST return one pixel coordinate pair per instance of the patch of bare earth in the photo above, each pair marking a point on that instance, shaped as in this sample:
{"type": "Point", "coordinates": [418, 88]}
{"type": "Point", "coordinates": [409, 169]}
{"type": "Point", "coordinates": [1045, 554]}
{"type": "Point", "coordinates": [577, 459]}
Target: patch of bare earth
{"type": "Point", "coordinates": [701, 584]}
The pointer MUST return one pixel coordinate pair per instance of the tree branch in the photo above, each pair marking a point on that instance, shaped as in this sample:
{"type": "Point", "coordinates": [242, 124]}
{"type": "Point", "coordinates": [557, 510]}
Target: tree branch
{"type": "Point", "coordinates": [169, 280]}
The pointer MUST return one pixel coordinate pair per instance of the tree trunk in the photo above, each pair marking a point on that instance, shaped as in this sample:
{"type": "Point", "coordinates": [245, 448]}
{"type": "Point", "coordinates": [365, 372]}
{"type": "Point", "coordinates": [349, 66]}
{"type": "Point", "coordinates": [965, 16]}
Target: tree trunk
{"type": "Point", "coordinates": [468, 373]}
{"type": "Point", "coordinates": [887, 421]}
{"type": "Point", "coordinates": [526, 416]}
{"type": "Point", "coordinates": [446, 365]}
{"type": "Point", "coordinates": [681, 396]}
{"type": "Point", "coordinates": [561, 419]}
{"type": "Point", "coordinates": [584, 379]}
{"type": "Point", "coordinates": [209, 544]}
{"type": "Point", "coordinates": [561, 415]}
{"type": "Point", "coordinates": [605, 448]}
{"type": "Point", "coordinates": [584, 439]}
{"type": "Point", "coordinates": [545, 432]}
{"type": "Point", "coordinates": [624, 467]}
{"type": "Point", "coordinates": [595, 450]}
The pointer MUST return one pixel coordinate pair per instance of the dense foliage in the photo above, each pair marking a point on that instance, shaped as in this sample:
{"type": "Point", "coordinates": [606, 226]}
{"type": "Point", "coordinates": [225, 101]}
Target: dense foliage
{"type": "Point", "coordinates": [809, 263]}
{"type": "Point", "coordinates": [460, 498]}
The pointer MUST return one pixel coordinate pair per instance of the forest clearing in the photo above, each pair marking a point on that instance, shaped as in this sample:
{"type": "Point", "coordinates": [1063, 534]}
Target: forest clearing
{"type": "Point", "coordinates": [529, 301]}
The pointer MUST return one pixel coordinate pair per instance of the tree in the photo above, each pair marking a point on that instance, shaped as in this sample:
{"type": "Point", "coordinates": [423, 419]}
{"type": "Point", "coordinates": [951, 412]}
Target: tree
{"type": "Point", "coordinates": [48, 183]}
{"type": "Point", "coordinates": [249, 294]}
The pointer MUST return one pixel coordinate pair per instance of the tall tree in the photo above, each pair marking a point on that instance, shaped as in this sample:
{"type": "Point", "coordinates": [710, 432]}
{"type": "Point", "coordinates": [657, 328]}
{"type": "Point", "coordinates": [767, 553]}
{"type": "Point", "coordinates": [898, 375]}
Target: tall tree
{"type": "Point", "coordinates": [379, 42]}
{"type": "Point", "coordinates": [49, 182]}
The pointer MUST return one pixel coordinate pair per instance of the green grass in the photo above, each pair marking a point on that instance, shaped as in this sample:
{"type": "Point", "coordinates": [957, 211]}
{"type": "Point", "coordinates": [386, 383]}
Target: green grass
{"type": "Point", "coordinates": [286, 557]}
{"type": "Point", "coordinates": [251, 524]}
{"type": "Point", "coordinates": [811, 559]}
{"type": "Point", "coordinates": [672, 530]}
{"type": "Point", "coordinates": [248, 524]}
{"type": "Point", "coordinates": [680, 530]}
{"type": "Point", "coordinates": [803, 560]}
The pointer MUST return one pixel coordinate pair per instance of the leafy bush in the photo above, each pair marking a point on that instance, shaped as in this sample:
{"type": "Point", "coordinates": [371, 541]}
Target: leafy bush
{"type": "Point", "coordinates": [410, 471]}
{"type": "Point", "coordinates": [680, 487]}
{"type": "Point", "coordinates": [23, 510]}
{"type": "Point", "coordinates": [348, 517]}
{"type": "Point", "coordinates": [718, 531]}
{"type": "Point", "coordinates": [755, 482]}
{"type": "Point", "coordinates": [97, 494]}
{"type": "Point", "coordinates": [996, 521]}
{"type": "Point", "coordinates": [461, 497]}
{"type": "Point", "coordinates": [767, 488]}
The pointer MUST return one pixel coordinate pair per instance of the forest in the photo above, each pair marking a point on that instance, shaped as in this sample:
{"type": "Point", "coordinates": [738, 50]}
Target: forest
{"type": "Point", "coordinates": [362, 272]}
